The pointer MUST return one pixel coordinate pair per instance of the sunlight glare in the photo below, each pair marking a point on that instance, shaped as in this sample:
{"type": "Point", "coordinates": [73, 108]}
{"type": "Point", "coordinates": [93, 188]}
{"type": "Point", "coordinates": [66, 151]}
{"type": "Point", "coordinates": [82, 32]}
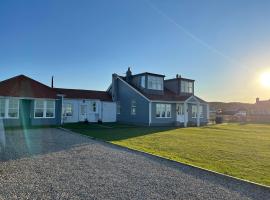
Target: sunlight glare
{"type": "Point", "coordinates": [265, 79]}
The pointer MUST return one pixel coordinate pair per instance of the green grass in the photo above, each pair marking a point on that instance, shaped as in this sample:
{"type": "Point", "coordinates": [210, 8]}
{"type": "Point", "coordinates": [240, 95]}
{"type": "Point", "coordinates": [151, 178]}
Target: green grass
{"type": "Point", "coordinates": [240, 150]}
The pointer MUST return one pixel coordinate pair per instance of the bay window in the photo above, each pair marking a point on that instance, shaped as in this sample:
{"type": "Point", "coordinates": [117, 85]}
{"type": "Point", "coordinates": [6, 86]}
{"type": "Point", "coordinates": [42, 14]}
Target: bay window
{"type": "Point", "coordinates": [44, 109]}
{"type": "Point", "coordinates": [163, 110]}
{"type": "Point", "coordinates": [155, 83]}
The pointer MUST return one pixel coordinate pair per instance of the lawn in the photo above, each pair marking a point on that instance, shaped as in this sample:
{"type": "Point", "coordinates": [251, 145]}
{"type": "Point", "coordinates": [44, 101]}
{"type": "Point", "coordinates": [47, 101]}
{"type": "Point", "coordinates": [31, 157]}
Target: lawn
{"type": "Point", "coordinates": [240, 150]}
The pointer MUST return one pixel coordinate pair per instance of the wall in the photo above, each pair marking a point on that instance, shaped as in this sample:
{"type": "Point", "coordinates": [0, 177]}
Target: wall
{"type": "Point", "coordinates": [125, 95]}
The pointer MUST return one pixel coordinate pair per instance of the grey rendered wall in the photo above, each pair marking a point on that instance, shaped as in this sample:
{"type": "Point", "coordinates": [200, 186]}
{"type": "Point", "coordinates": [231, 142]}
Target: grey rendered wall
{"type": "Point", "coordinates": [49, 121]}
{"type": "Point", "coordinates": [125, 95]}
{"type": "Point", "coordinates": [163, 121]}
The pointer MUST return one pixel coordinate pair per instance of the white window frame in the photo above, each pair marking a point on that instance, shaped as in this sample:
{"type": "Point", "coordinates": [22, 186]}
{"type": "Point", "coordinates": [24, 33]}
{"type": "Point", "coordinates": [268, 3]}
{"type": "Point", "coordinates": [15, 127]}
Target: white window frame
{"type": "Point", "coordinates": [155, 83]}
{"type": "Point", "coordinates": [6, 108]}
{"type": "Point", "coordinates": [44, 109]}
{"type": "Point", "coordinates": [167, 108]}
{"type": "Point", "coordinates": [143, 81]}
{"type": "Point", "coordinates": [201, 111]}
{"type": "Point", "coordinates": [186, 86]}
{"type": "Point", "coordinates": [65, 107]}
{"type": "Point", "coordinates": [133, 107]}
{"type": "Point", "coordinates": [194, 109]}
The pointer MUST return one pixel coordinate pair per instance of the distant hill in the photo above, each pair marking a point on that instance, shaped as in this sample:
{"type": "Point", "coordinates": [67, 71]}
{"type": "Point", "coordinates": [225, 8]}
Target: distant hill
{"type": "Point", "coordinates": [232, 106]}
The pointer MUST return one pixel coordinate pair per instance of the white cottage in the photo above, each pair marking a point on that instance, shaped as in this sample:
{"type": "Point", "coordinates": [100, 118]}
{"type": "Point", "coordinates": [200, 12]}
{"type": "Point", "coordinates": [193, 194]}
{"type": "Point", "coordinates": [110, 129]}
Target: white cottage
{"type": "Point", "coordinates": [90, 105]}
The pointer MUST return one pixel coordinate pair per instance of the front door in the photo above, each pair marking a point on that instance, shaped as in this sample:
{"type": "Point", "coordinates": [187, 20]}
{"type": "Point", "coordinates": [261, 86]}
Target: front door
{"type": "Point", "coordinates": [83, 112]}
{"type": "Point", "coordinates": [180, 117]}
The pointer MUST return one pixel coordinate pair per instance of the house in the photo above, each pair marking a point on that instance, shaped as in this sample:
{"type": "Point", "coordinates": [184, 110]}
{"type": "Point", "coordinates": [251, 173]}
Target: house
{"type": "Point", "coordinates": [150, 99]}
{"type": "Point", "coordinates": [25, 102]}
{"type": "Point", "coordinates": [90, 105]}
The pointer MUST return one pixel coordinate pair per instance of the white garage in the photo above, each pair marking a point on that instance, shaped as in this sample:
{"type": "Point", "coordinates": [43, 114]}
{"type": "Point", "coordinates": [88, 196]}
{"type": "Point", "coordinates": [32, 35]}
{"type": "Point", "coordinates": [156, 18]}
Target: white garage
{"type": "Point", "coordinates": [82, 105]}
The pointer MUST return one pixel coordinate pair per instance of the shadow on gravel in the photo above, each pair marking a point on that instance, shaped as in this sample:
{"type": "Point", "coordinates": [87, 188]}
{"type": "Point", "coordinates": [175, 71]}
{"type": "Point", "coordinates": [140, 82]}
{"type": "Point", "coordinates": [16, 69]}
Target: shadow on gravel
{"type": "Point", "coordinates": [21, 143]}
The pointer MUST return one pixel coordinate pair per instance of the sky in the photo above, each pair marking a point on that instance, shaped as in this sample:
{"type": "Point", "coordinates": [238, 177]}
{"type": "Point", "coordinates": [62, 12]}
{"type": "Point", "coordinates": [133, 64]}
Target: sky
{"type": "Point", "coordinates": [224, 45]}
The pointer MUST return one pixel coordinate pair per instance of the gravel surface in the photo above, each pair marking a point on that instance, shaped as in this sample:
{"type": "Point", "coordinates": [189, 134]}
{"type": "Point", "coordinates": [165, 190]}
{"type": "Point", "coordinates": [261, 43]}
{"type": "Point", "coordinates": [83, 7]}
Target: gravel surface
{"type": "Point", "coordinates": [54, 164]}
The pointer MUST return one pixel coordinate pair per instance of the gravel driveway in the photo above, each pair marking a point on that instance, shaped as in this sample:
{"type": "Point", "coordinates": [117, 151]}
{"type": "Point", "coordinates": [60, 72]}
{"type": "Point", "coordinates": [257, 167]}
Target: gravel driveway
{"type": "Point", "coordinates": [54, 164]}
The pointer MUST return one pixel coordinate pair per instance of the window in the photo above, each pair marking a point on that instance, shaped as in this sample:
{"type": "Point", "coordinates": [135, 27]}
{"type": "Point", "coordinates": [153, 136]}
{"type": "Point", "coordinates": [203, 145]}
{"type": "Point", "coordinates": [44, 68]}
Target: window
{"type": "Point", "coordinates": [13, 108]}
{"type": "Point", "coordinates": [180, 109]}
{"type": "Point", "coordinates": [44, 109]}
{"type": "Point", "coordinates": [93, 106]}
{"type": "Point", "coordinates": [201, 111]}
{"type": "Point", "coordinates": [163, 110]}
{"type": "Point", "coordinates": [68, 109]}
{"type": "Point", "coordinates": [186, 86]}
{"type": "Point", "coordinates": [39, 108]}
{"type": "Point", "coordinates": [2, 108]}
{"type": "Point", "coordinates": [49, 109]}
{"type": "Point", "coordinates": [143, 81]}
{"type": "Point", "coordinates": [155, 83]}
{"type": "Point", "coordinates": [194, 111]}
{"type": "Point", "coordinates": [9, 108]}
{"type": "Point", "coordinates": [118, 107]}
{"type": "Point", "coordinates": [133, 107]}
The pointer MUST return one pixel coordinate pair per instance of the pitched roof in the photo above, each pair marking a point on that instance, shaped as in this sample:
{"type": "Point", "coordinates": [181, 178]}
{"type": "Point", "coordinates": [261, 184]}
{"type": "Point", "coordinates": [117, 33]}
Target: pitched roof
{"type": "Point", "coordinates": [84, 94]}
{"type": "Point", "coordinates": [168, 95]}
{"type": "Point", "coordinates": [23, 86]}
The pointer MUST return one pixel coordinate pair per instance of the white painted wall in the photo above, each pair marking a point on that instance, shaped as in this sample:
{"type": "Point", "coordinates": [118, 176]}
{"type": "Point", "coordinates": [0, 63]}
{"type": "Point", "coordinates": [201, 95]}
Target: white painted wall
{"type": "Point", "coordinates": [106, 111]}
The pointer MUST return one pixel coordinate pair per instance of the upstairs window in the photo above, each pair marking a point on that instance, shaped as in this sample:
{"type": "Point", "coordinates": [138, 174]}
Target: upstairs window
{"type": "Point", "coordinates": [133, 107]}
{"type": "Point", "coordinates": [143, 81]}
{"type": "Point", "coordinates": [155, 83]}
{"type": "Point", "coordinates": [186, 87]}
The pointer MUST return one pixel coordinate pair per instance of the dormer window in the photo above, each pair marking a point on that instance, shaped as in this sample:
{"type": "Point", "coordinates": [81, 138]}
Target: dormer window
{"type": "Point", "coordinates": [155, 83]}
{"type": "Point", "coordinates": [143, 81]}
{"type": "Point", "coordinates": [186, 87]}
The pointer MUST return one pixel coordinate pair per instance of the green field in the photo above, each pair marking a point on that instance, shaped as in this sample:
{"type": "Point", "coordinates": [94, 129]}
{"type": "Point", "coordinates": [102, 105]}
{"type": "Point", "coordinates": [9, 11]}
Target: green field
{"type": "Point", "coordinates": [240, 150]}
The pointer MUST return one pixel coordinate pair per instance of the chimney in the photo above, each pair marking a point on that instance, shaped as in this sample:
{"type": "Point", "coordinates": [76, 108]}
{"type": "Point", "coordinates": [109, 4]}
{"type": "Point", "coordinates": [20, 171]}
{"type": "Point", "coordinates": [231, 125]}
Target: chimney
{"type": "Point", "coordinates": [52, 82]}
{"type": "Point", "coordinates": [128, 75]}
{"type": "Point", "coordinates": [257, 100]}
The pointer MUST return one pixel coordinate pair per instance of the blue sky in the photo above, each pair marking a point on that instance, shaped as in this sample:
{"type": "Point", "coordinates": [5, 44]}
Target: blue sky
{"type": "Point", "coordinates": [223, 45]}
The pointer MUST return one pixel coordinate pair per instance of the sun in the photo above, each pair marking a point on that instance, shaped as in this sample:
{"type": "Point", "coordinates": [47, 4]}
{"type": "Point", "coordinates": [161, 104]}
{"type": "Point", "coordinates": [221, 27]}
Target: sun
{"type": "Point", "coordinates": [265, 79]}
